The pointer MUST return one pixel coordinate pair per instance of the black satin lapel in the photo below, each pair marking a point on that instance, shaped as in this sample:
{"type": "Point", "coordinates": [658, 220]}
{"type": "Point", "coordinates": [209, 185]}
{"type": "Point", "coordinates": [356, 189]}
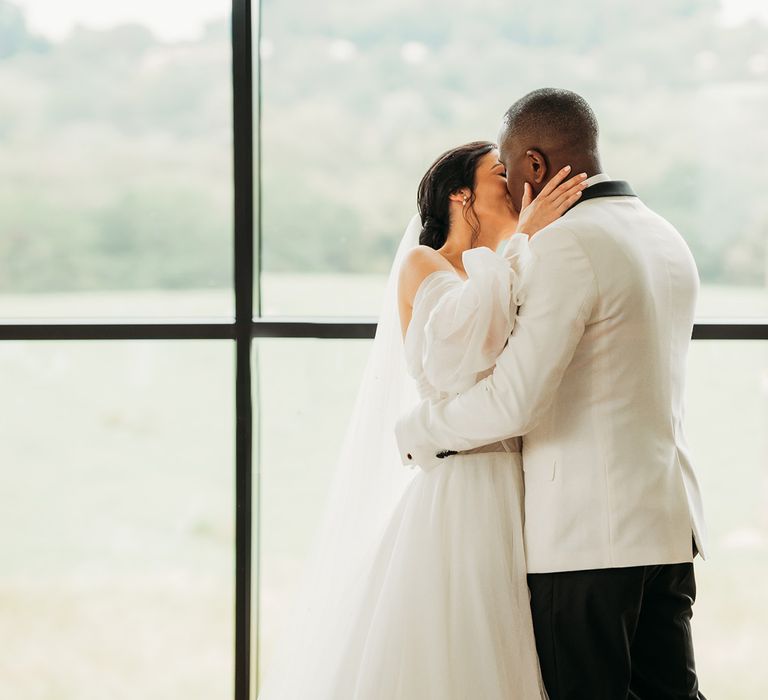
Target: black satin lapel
{"type": "Point", "coordinates": [610, 188]}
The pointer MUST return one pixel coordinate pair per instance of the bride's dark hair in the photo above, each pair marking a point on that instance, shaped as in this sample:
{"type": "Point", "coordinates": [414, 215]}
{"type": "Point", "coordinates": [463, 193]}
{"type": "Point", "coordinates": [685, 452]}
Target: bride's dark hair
{"type": "Point", "coordinates": [452, 171]}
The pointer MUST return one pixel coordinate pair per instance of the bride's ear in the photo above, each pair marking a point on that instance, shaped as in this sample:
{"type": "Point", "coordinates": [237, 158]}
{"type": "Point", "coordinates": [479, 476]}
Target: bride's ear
{"type": "Point", "coordinates": [461, 196]}
{"type": "Point", "coordinates": [536, 167]}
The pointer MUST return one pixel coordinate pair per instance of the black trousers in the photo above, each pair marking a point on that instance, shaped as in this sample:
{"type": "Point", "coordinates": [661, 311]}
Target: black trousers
{"type": "Point", "coordinates": [616, 634]}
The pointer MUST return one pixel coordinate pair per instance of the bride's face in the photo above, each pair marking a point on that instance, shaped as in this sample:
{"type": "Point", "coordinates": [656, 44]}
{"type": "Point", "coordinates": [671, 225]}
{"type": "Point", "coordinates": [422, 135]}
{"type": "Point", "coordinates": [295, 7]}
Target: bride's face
{"type": "Point", "coordinates": [492, 203]}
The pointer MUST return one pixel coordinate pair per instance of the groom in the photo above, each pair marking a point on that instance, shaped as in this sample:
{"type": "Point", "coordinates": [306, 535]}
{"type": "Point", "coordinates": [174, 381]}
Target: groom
{"type": "Point", "coordinates": [593, 377]}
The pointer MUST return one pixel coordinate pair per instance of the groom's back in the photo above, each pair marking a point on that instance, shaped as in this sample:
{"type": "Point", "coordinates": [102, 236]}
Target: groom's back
{"type": "Point", "coordinates": [608, 478]}
{"type": "Point", "coordinates": [640, 328]}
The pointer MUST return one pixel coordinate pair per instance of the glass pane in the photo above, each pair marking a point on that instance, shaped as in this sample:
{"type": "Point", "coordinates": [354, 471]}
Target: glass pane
{"type": "Point", "coordinates": [727, 419]}
{"type": "Point", "coordinates": [358, 101]}
{"type": "Point", "coordinates": [116, 159]}
{"type": "Point", "coordinates": [307, 390]}
{"type": "Point", "coordinates": [117, 475]}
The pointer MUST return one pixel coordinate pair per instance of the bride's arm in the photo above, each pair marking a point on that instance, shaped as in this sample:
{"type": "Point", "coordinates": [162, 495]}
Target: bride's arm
{"type": "Point", "coordinates": [466, 322]}
{"type": "Point", "coordinates": [463, 323]}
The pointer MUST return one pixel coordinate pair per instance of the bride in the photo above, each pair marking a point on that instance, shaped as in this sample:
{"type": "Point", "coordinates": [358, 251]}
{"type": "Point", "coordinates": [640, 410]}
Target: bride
{"type": "Point", "coordinates": [417, 587]}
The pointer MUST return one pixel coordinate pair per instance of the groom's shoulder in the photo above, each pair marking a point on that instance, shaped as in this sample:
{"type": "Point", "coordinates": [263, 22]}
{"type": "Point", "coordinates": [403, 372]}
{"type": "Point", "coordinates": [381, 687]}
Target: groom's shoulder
{"type": "Point", "coordinates": [580, 230]}
{"type": "Point", "coordinates": [599, 225]}
{"type": "Point", "coordinates": [559, 235]}
{"type": "Point", "coordinates": [599, 215]}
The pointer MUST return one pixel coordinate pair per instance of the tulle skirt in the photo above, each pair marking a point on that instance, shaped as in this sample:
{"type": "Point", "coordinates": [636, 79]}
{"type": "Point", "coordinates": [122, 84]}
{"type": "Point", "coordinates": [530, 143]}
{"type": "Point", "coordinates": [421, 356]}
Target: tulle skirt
{"type": "Point", "coordinates": [443, 611]}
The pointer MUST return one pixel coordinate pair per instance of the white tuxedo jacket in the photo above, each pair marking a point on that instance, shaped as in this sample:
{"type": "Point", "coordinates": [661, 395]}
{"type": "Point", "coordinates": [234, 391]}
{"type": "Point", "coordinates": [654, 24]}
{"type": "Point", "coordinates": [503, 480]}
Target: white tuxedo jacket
{"type": "Point", "coordinates": [593, 377]}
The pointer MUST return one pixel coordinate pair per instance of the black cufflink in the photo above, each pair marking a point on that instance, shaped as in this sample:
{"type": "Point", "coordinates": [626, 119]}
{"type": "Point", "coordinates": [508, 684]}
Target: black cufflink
{"type": "Point", "coordinates": [409, 456]}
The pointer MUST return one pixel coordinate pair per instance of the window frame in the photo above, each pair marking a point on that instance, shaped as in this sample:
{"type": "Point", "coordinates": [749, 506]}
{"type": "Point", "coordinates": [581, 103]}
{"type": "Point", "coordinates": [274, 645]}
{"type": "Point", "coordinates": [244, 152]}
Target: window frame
{"type": "Point", "coordinates": [249, 323]}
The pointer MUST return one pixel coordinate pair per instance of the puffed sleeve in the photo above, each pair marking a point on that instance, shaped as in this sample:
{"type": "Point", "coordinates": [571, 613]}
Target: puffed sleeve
{"type": "Point", "coordinates": [469, 321]}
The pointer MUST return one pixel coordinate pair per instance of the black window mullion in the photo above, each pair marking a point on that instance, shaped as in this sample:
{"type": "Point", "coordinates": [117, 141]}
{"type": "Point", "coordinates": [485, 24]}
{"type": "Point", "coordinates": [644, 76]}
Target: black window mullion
{"type": "Point", "coordinates": [276, 327]}
{"type": "Point", "coordinates": [737, 330]}
{"type": "Point", "coordinates": [242, 94]}
{"type": "Point", "coordinates": [143, 330]}
{"type": "Point", "coordinates": [256, 364]}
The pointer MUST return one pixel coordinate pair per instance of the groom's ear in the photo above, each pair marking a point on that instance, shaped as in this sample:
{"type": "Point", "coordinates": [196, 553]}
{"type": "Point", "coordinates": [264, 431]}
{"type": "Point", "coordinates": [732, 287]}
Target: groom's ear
{"type": "Point", "coordinates": [536, 168]}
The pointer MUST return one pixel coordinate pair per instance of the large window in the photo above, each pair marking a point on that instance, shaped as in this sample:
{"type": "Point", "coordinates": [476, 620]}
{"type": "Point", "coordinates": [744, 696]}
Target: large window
{"type": "Point", "coordinates": [116, 159]}
{"type": "Point", "coordinates": [307, 388]}
{"type": "Point", "coordinates": [727, 402]}
{"type": "Point", "coordinates": [190, 190]}
{"type": "Point", "coordinates": [360, 98]}
{"type": "Point", "coordinates": [116, 529]}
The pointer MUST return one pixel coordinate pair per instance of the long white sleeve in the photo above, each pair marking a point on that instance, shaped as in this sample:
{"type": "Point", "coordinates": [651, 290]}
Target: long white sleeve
{"type": "Point", "coordinates": [465, 322]}
{"type": "Point", "coordinates": [558, 296]}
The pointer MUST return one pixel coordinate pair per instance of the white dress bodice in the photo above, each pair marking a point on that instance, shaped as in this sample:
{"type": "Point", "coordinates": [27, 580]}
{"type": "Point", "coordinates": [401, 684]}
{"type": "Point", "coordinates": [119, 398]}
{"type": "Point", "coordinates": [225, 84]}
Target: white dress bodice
{"type": "Point", "coordinates": [459, 327]}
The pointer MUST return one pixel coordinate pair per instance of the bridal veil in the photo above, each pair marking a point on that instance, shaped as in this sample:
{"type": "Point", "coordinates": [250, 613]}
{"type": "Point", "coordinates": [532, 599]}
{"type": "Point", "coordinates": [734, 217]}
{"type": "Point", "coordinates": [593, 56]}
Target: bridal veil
{"type": "Point", "coordinates": [367, 485]}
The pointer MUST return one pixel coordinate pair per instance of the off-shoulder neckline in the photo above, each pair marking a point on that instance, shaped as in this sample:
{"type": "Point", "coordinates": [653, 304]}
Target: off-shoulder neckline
{"type": "Point", "coordinates": [423, 284]}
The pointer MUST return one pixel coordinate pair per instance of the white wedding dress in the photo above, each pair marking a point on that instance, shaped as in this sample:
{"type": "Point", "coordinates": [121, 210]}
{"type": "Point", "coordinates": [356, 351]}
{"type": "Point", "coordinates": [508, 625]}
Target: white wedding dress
{"type": "Point", "coordinates": [442, 612]}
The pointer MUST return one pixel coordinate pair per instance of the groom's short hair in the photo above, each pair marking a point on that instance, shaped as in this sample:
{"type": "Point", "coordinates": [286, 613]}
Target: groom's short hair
{"type": "Point", "coordinates": [554, 116]}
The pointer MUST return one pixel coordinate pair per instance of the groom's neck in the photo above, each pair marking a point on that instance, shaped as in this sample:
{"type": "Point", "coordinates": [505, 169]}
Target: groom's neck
{"type": "Point", "coordinates": [590, 167]}
{"type": "Point", "coordinates": [580, 162]}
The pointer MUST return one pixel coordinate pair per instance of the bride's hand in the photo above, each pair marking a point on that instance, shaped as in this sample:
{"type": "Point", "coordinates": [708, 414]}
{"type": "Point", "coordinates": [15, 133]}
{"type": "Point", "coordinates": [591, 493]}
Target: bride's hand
{"type": "Point", "coordinates": [551, 203]}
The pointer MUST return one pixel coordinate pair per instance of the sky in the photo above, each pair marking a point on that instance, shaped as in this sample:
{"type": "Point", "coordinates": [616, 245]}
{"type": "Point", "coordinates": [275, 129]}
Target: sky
{"type": "Point", "coordinates": [170, 20]}
{"type": "Point", "coordinates": [737, 11]}
{"type": "Point", "coordinates": [173, 20]}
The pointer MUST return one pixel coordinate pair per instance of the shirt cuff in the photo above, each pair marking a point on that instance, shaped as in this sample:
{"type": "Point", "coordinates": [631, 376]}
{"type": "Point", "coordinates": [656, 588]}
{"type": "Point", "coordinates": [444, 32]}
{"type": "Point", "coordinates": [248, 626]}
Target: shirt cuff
{"type": "Point", "coordinates": [415, 450]}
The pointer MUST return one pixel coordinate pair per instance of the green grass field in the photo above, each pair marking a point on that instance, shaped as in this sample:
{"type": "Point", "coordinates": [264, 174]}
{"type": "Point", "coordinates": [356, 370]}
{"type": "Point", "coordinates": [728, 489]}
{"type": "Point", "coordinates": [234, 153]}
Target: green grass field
{"type": "Point", "coordinates": [116, 474]}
